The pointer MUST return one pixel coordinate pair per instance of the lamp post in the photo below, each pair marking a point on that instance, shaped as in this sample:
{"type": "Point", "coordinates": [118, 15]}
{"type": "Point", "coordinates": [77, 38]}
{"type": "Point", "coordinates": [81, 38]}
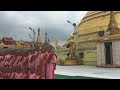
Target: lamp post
{"type": "Point", "coordinates": [73, 48]}
{"type": "Point", "coordinates": [73, 24]}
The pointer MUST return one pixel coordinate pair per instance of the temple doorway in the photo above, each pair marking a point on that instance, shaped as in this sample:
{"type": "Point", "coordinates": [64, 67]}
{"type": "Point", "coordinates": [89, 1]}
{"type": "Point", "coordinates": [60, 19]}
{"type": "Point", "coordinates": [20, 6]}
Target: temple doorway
{"type": "Point", "coordinates": [108, 52]}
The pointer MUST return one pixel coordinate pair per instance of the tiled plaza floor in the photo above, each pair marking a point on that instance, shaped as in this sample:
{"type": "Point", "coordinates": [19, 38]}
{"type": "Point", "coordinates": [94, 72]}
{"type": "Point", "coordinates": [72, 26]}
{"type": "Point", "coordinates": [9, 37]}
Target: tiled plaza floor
{"type": "Point", "coordinates": [87, 71]}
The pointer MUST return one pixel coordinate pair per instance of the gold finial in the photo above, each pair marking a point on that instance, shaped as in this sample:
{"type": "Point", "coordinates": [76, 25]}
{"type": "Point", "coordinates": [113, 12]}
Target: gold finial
{"type": "Point", "coordinates": [46, 36]}
{"type": "Point", "coordinates": [38, 37]}
{"type": "Point", "coordinates": [113, 26]}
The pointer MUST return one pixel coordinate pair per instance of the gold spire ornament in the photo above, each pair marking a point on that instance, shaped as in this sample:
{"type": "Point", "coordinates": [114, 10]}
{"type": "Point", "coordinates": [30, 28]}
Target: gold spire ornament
{"type": "Point", "coordinates": [38, 38]}
{"type": "Point", "coordinates": [113, 26]}
{"type": "Point", "coordinates": [39, 42]}
{"type": "Point", "coordinates": [46, 37]}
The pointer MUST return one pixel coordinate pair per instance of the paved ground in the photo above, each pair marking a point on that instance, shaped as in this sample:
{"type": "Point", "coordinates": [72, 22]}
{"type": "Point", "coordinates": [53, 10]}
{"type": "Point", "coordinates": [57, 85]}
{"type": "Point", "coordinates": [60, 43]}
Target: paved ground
{"type": "Point", "coordinates": [88, 71]}
{"type": "Point", "coordinates": [73, 77]}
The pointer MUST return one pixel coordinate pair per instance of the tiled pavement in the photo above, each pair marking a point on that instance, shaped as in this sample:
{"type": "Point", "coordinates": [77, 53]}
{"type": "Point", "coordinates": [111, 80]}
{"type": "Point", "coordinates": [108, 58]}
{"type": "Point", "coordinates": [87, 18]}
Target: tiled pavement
{"type": "Point", "coordinates": [88, 71]}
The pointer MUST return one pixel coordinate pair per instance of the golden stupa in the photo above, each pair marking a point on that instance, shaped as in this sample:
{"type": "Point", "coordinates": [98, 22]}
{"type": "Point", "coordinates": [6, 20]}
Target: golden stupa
{"type": "Point", "coordinates": [93, 24]}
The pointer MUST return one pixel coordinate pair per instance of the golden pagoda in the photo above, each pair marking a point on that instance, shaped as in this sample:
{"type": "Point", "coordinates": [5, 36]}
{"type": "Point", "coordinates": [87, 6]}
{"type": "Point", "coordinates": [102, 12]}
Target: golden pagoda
{"type": "Point", "coordinates": [96, 28]}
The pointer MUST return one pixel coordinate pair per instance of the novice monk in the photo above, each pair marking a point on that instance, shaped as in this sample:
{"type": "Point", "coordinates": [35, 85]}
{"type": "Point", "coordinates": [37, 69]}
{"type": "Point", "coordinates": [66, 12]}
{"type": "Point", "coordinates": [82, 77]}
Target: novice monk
{"type": "Point", "coordinates": [32, 73]}
{"type": "Point", "coordinates": [25, 69]}
{"type": "Point", "coordinates": [1, 76]}
{"type": "Point", "coordinates": [38, 76]}
{"type": "Point", "coordinates": [13, 72]}
{"type": "Point", "coordinates": [7, 72]}
{"type": "Point", "coordinates": [32, 67]}
{"type": "Point", "coordinates": [9, 67]}
{"type": "Point", "coordinates": [48, 63]}
{"type": "Point", "coordinates": [37, 60]}
{"type": "Point", "coordinates": [25, 73]}
{"type": "Point", "coordinates": [4, 73]}
{"type": "Point", "coordinates": [13, 68]}
{"type": "Point", "coordinates": [19, 74]}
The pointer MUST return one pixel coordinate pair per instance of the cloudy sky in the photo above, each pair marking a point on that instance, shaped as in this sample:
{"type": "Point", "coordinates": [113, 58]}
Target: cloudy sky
{"type": "Point", "coordinates": [16, 23]}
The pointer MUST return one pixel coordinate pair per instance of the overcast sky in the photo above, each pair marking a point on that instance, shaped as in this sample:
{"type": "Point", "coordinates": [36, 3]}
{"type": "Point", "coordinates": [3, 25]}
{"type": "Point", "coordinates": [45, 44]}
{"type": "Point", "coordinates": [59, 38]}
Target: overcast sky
{"type": "Point", "coordinates": [16, 23]}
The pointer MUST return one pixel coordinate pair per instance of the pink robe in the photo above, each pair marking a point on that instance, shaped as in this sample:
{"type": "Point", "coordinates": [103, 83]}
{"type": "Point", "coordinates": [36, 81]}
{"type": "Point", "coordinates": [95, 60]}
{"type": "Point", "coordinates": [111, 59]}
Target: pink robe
{"type": "Point", "coordinates": [38, 77]}
{"type": "Point", "coordinates": [8, 76]}
{"type": "Point", "coordinates": [32, 76]}
{"type": "Point", "coordinates": [38, 60]}
{"type": "Point", "coordinates": [26, 76]}
{"type": "Point", "coordinates": [1, 62]}
{"type": "Point", "coordinates": [20, 62]}
{"type": "Point", "coordinates": [11, 61]}
{"type": "Point", "coordinates": [4, 75]}
{"type": "Point", "coordinates": [0, 75]}
{"type": "Point", "coordinates": [48, 68]}
{"type": "Point", "coordinates": [12, 76]}
{"type": "Point", "coordinates": [4, 60]}
{"type": "Point", "coordinates": [19, 76]}
{"type": "Point", "coordinates": [32, 63]}
{"type": "Point", "coordinates": [7, 59]}
{"type": "Point", "coordinates": [16, 61]}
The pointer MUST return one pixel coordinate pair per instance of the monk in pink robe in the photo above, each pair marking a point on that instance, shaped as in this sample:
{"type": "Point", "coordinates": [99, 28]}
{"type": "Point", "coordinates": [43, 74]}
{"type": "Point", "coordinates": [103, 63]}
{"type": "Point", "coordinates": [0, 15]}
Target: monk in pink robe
{"type": "Point", "coordinates": [25, 69]}
{"type": "Point", "coordinates": [0, 69]}
{"type": "Point", "coordinates": [1, 63]}
{"type": "Point", "coordinates": [4, 73]}
{"type": "Point", "coordinates": [38, 73]}
{"type": "Point", "coordinates": [32, 73]}
{"type": "Point", "coordinates": [10, 57]}
{"type": "Point", "coordinates": [48, 63]}
{"type": "Point", "coordinates": [31, 60]}
{"type": "Point", "coordinates": [10, 72]}
{"type": "Point", "coordinates": [31, 64]}
{"type": "Point", "coordinates": [0, 74]}
{"type": "Point", "coordinates": [50, 66]}
{"type": "Point", "coordinates": [8, 66]}
{"type": "Point", "coordinates": [13, 73]}
{"type": "Point", "coordinates": [19, 74]}
{"type": "Point", "coordinates": [37, 60]}
{"type": "Point", "coordinates": [26, 74]}
{"type": "Point", "coordinates": [13, 66]}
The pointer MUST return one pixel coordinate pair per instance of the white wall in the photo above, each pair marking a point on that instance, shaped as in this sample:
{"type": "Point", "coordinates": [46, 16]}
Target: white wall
{"type": "Point", "coordinates": [116, 52]}
{"type": "Point", "coordinates": [100, 53]}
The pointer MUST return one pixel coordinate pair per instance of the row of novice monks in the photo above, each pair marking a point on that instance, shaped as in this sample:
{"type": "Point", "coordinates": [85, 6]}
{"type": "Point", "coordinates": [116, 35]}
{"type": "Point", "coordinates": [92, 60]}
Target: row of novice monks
{"type": "Point", "coordinates": [28, 65]}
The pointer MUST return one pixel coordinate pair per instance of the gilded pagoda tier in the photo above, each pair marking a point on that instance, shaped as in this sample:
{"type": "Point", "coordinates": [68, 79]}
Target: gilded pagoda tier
{"type": "Point", "coordinates": [95, 21]}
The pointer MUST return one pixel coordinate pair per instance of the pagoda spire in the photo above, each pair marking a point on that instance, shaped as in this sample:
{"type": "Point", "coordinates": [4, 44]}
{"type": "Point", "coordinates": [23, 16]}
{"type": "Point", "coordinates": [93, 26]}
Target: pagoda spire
{"type": "Point", "coordinates": [113, 26]}
{"type": "Point", "coordinates": [38, 37]}
{"type": "Point", "coordinates": [46, 37]}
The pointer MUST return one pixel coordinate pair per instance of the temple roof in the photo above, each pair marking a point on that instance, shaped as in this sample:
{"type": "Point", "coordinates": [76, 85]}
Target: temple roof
{"type": "Point", "coordinates": [7, 39]}
{"type": "Point", "coordinates": [28, 43]}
